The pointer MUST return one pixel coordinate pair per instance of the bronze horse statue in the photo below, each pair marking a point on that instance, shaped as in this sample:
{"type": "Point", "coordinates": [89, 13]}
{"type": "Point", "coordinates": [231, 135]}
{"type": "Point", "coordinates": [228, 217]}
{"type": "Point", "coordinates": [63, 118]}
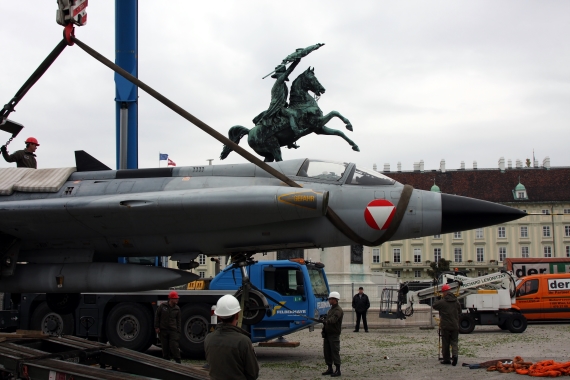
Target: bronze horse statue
{"type": "Point", "coordinates": [268, 136]}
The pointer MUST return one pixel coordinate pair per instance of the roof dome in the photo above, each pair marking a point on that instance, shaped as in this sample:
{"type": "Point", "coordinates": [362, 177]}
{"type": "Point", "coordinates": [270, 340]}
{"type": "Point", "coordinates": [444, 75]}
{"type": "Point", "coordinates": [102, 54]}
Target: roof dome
{"type": "Point", "coordinates": [520, 187]}
{"type": "Point", "coordinates": [435, 188]}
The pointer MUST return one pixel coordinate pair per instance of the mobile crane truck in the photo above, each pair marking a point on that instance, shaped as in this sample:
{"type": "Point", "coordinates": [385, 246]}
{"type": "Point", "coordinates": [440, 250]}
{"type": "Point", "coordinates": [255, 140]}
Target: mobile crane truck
{"type": "Point", "coordinates": [126, 319]}
{"type": "Point", "coordinates": [486, 300]}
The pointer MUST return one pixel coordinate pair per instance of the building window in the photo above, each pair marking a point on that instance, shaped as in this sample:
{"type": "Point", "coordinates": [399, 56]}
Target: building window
{"type": "Point", "coordinates": [480, 254]}
{"type": "Point", "coordinates": [502, 253]}
{"type": "Point", "coordinates": [524, 231]}
{"type": "Point", "coordinates": [524, 252]}
{"type": "Point", "coordinates": [480, 273]}
{"type": "Point", "coordinates": [202, 259]}
{"type": "Point", "coordinates": [547, 251]}
{"type": "Point", "coordinates": [436, 254]}
{"type": "Point", "coordinates": [457, 235]}
{"type": "Point", "coordinates": [437, 236]}
{"type": "Point", "coordinates": [458, 255]}
{"type": "Point", "coordinates": [568, 251]}
{"type": "Point", "coordinates": [479, 233]}
{"type": "Point", "coordinates": [375, 255]}
{"type": "Point", "coordinates": [202, 274]}
{"type": "Point", "coordinates": [417, 255]}
{"type": "Point", "coordinates": [546, 231]}
{"type": "Point", "coordinates": [546, 212]}
{"type": "Point", "coordinates": [567, 231]}
{"type": "Point", "coordinates": [397, 257]}
{"type": "Point", "coordinates": [417, 273]}
{"type": "Point", "coordinates": [502, 233]}
{"type": "Point", "coordinates": [398, 273]}
{"type": "Point", "coordinates": [567, 210]}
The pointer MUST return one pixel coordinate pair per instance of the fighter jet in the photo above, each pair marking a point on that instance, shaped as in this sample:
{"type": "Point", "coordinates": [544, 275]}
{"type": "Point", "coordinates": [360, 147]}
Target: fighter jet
{"type": "Point", "coordinates": [62, 230]}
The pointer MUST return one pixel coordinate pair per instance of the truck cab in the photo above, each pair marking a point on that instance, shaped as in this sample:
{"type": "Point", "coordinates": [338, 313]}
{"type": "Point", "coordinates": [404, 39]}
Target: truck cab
{"type": "Point", "coordinates": [544, 296]}
{"type": "Point", "coordinates": [299, 287]}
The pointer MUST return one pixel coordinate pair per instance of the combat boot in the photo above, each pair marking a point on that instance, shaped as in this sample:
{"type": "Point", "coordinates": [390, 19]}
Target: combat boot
{"type": "Point", "coordinates": [329, 371]}
{"type": "Point", "coordinates": [454, 360]}
{"type": "Point", "coordinates": [337, 372]}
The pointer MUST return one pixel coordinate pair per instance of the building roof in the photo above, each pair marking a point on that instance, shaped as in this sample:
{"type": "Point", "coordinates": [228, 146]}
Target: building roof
{"type": "Point", "coordinates": [494, 185]}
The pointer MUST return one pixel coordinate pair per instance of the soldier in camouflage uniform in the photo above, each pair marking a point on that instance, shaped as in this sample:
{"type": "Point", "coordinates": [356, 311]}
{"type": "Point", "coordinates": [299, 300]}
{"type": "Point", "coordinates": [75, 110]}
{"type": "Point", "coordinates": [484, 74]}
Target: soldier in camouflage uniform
{"type": "Point", "coordinates": [332, 327]}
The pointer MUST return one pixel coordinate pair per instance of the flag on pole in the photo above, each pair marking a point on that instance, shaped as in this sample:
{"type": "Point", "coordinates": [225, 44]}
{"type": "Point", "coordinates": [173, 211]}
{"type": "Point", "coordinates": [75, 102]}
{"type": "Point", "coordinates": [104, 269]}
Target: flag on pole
{"type": "Point", "coordinates": [162, 156]}
{"type": "Point", "coordinates": [171, 163]}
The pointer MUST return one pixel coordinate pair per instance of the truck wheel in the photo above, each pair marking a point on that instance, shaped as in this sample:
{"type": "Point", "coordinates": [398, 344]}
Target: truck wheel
{"type": "Point", "coordinates": [252, 317]}
{"type": "Point", "coordinates": [130, 325]}
{"type": "Point", "coordinates": [195, 325]}
{"type": "Point", "coordinates": [517, 323]}
{"type": "Point", "coordinates": [45, 320]}
{"type": "Point", "coordinates": [466, 323]}
{"type": "Point", "coordinates": [503, 326]}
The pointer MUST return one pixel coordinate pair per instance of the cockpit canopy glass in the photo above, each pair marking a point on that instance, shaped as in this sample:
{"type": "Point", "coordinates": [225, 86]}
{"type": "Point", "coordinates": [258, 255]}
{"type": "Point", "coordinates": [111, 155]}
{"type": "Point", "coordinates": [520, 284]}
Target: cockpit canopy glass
{"type": "Point", "coordinates": [364, 177]}
{"type": "Point", "coordinates": [334, 171]}
{"type": "Point", "coordinates": [330, 171]}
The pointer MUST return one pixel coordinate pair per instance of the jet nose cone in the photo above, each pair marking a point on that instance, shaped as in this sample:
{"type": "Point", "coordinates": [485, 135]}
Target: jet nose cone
{"type": "Point", "coordinates": [461, 213]}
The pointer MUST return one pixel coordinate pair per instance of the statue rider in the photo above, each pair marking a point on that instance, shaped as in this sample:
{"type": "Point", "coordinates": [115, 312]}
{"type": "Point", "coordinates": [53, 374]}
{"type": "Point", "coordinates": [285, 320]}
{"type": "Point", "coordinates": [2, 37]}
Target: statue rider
{"type": "Point", "coordinates": [279, 96]}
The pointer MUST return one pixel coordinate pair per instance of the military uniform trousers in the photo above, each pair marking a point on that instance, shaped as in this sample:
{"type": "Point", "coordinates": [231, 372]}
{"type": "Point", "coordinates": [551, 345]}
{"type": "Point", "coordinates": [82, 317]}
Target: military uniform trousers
{"type": "Point", "coordinates": [169, 341]}
{"type": "Point", "coordinates": [449, 338]}
{"type": "Point", "coordinates": [331, 349]}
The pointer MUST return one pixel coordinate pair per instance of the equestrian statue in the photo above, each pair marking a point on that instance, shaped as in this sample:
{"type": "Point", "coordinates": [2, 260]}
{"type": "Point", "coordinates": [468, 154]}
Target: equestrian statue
{"type": "Point", "coordinates": [283, 123]}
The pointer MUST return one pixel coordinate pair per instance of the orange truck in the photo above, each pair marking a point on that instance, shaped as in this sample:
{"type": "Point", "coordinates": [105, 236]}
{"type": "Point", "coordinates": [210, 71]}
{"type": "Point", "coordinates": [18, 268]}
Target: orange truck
{"type": "Point", "coordinates": [544, 296]}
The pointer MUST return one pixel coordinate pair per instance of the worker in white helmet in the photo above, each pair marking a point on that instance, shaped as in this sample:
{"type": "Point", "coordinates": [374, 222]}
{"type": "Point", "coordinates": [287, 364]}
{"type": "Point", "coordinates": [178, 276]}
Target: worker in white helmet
{"type": "Point", "coordinates": [332, 327]}
{"type": "Point", "coordinates": [229, 351]}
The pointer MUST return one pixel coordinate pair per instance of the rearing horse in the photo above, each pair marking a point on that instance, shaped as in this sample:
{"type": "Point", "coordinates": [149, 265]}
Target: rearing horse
{"type": "Point", "coordinates": [266, 139]}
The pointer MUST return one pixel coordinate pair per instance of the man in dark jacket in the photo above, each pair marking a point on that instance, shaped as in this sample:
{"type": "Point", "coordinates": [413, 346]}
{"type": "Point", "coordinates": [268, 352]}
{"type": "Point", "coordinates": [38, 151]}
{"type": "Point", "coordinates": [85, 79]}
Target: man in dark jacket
{"type": "Point", "coordinates": [332, 327]}
{"type": "Point", "coordinates": [360, 304]}
{"type": "Point", "coordinates": [449, 312]}
{"type": "Point", "coordinates": [229, 351]}
{"type": "Point", "coordinates": [24, 158]}
{"type": "Point", "coordinates": [167, 326]}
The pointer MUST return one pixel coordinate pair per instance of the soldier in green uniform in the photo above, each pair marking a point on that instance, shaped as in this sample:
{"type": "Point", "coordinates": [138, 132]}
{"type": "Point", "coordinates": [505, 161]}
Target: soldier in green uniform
{"type": "Point", "coordinates": [167, 325]}
{"type": "Point", "coordinates": [332, 327]}
{"type": "Point", "coordinates": [229, 351]}
{"type": "Point", "coordinates": [449, 312]}
{"type": "Point", "coordinates": [24, 158]}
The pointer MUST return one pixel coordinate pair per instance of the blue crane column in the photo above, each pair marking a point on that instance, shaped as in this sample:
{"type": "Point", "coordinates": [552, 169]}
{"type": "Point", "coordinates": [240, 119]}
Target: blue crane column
{"type": "Point", "coordinates": [126, 93]}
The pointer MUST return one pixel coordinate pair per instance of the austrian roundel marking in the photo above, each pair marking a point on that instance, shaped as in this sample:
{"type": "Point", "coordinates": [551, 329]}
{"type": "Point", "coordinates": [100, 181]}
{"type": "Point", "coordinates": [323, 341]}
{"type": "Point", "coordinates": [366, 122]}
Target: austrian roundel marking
{"type": "Point", "coordinates": [379, 213]}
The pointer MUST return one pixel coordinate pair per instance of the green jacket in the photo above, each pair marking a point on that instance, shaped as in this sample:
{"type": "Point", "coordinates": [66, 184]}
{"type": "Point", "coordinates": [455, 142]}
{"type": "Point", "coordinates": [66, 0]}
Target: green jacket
{"type": "Point", "coordinates": [167, 318]}
{"type": "Point", "coordinates": [22, 159]}
{"type": "Point", "coordinates": [230, 354]}
{"type": "Point", "coordinates": [449, 312]}
{"type": "Point", "coordinates": [333, 323]}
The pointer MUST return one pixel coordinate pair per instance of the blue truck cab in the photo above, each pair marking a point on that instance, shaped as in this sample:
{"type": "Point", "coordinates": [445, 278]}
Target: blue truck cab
{"type": "Point", "coordinates": [299, 286]}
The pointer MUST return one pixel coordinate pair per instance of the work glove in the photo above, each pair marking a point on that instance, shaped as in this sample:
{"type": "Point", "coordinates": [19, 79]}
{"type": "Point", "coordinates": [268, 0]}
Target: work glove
{"type": "Point", "coordinates": [4, 149]}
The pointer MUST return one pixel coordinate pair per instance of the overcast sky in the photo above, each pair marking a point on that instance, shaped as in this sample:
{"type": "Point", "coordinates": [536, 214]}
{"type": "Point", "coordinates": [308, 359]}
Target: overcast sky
{"type": "Point", "coordinates": [458, 80]}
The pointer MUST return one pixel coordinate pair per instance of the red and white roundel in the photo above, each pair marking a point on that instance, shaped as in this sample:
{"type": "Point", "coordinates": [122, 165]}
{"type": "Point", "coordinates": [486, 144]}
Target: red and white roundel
{"type": "Point", "coordinates": [379, 214]}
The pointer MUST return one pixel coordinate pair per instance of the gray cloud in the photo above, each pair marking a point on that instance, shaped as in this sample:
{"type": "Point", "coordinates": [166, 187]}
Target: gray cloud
{"type": "Point", "coordinates": [419, 80]}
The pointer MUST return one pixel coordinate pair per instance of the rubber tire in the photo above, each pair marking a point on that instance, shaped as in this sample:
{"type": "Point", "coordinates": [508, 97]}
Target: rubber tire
{"type": "Point", "coordinates": [517, 323]}
{"type": "Point", "coordinates": [252, 318]}
{"type": "Point", "coordinates": [466, 323]}
{"type": "Point", "coordinates": [63, 303]}
{"type": "Point", "coordinates": [142, 320]}
{"type": "Point", "coordinates": [503, 326]}
{"type": "Point", "coordinates": [195, 323]}
{"type": "Point", "coordinates": [65, 324]}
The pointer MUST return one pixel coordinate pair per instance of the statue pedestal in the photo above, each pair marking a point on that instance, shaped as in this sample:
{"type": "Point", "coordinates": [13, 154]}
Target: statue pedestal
{"type": "Point", "coordinates": [338, 265]}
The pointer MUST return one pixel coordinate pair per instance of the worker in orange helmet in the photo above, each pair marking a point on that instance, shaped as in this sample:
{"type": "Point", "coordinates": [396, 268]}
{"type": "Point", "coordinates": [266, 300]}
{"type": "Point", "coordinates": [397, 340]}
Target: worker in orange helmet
{"type": "Point", "coordinates": [167, 325]}
{"type": "Point", "coordinates": [449, 312]}
{"type": "Point", "coordinates": [24, 158]}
